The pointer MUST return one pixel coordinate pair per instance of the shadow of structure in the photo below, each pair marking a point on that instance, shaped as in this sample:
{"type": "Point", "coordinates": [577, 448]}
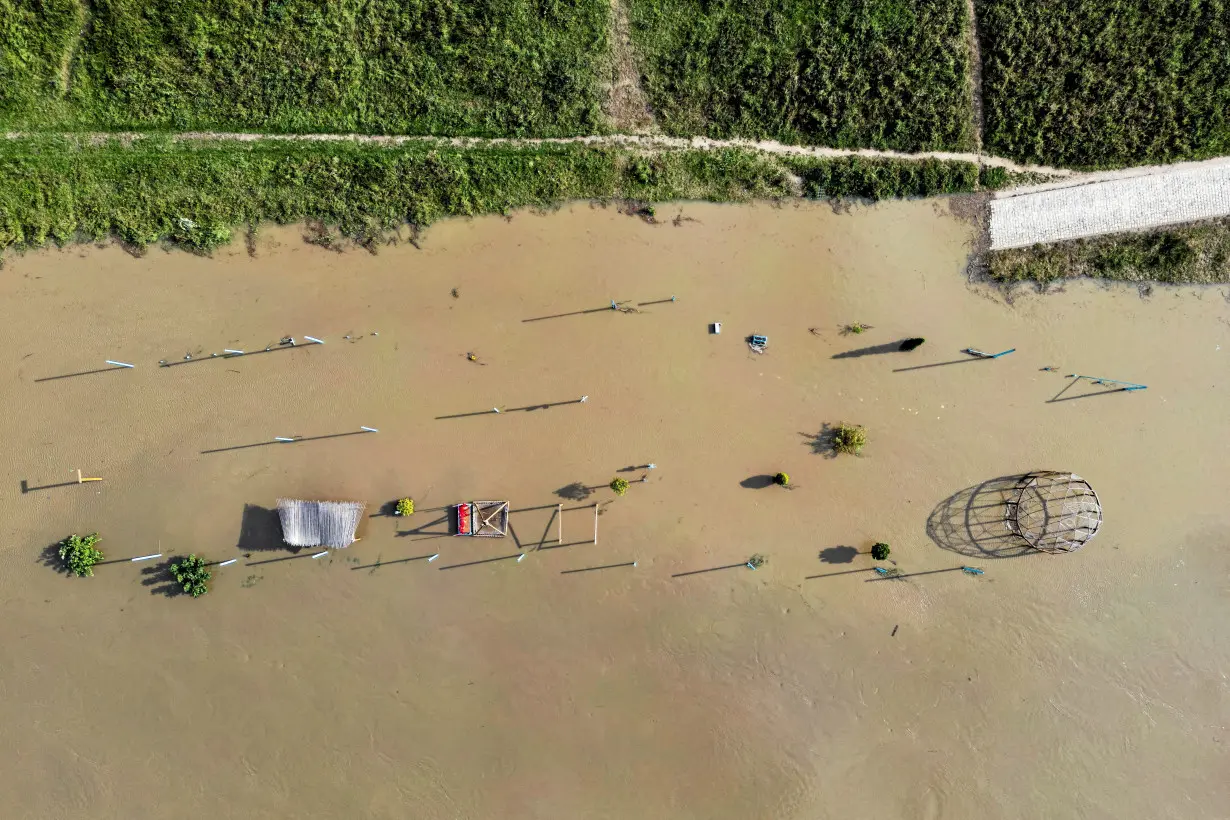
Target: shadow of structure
{"type": "Point", "coordinates": [27, 488]}
{"type": "Point", "coordinates": [260, 530]}
{"type": "Point", "coordinates": [81, 373]}
{"type": "Point", "coordinates": [757, 482]}
{"type": "Point", "coordinates": [838, 555]}
{"type": "Point", "coordinates": [974, 523]}
{"type": "Point", "coordinates": [437, 527]}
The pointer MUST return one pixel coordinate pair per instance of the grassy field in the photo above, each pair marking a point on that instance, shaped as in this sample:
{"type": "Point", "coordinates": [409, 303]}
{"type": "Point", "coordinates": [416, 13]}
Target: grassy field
{"type": "Point", "coordinates": [451, 67]}
{"type": "Point", "coordinates": [1103, 83]}
{"type": "Point", "coordinates": [878, 73]}
{"type": "Point", "coordinates": [34, 37]}
{"type": "Point", "coordinates": [1195, 254]}
{"type": "Point", "coordinates": [196, 194]}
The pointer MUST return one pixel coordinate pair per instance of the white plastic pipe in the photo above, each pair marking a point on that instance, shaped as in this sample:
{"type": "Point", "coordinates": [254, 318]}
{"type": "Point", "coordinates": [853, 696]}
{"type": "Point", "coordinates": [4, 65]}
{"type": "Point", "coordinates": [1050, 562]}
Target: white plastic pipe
{"type": "Point", "coordinates": [147, 557]}
{"type": "Point", "coordinates": [120, 364]}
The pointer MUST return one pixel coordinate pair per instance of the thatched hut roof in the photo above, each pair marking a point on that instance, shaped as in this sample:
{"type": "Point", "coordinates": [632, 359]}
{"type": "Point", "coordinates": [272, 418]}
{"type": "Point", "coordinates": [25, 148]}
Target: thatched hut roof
{"type": "Point", "coordinates": [319, 523]}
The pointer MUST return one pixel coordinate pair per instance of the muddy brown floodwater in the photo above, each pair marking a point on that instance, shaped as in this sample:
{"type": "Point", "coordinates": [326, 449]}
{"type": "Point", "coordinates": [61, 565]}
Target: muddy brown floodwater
{"type": "Point", "coordinates": [372, 683]}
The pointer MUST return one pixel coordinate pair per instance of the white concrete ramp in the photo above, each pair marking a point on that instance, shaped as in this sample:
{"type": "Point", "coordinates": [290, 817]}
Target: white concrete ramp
{"type": "Point", "coordinates": [1165, 197]}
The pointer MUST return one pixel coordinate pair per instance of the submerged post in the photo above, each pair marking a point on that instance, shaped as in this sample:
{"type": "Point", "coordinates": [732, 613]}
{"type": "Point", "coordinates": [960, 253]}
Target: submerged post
{"type": "Point", "coordinates": [595, 523]}
{"type": "Point", "coordinates": [120, 364]}
{"type": "Point", "coordinates": [146, 557]}
{"type": "Point", "coordinates": [560, 513]}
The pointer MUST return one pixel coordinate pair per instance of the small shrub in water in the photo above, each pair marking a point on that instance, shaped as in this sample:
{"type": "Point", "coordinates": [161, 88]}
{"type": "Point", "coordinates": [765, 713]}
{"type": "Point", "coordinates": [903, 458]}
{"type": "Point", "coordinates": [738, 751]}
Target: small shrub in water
{"type": "Point", "coordinates": [757, 561]}
{"type": "Point", "coordinates": [880, 550]}
{"type": "Point", "coordinates": [192, 575]}
{"type": "Point", "coordinates": [619, 485]}
{"type": "Point", "coordinates": [405, 506]}
{"type": "Point", "coordinates": [79, 554]}
{"type": "Point", "coordinates": [849, 438]}
{"type": "Point", "coordinates": [781, 479]}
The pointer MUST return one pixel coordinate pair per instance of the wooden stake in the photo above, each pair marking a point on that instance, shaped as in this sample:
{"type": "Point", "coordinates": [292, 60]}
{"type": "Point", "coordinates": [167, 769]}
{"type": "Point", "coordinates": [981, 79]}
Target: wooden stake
{"type": "Point", "coordinates": [595, 523]}
{"type": "Point", "coordinates": [561, 523]}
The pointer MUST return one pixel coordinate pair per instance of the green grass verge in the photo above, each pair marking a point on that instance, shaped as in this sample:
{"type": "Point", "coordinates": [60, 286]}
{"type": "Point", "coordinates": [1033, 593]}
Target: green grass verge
{"type": "Point", "coordinates": [35, 36]}
{"type": "Point", "coordinates": [1105, 83]}
{"type": "Point", "coordinates": [55, 190]}
{"type": "Point", "coordinates": [448, 67]}
{"type": "Point", "coordinates": [1195, 254]}
{"type": "Point", "coordinates": [876, 73]}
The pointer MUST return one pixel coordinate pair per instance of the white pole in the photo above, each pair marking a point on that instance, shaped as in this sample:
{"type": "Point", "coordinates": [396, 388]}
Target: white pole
{"type": "Point", "coordinates": [595, 523]}
{"type": "Point", "coordinates": [147, 557]}
{"type": "Point", "coordinates": [321, 554]}
{"type": "Point", "coordinates": [368, 429]}
{"type": "Point", "coordinates": [314, 339]}
{"type": "Point", "coordinates": [228, 563]}
{"type": "Point", "coordinates": [434, 557]}
{"type": "Point", "coordinates": [282, 438]}
{"type": "Point", "coordinates": [235, 352]}
{"type": "Point", "coordinates": [561, 523]}
{"type": "Point", "coordinates": [120, 364]}
{"type": "Point", "coordinates": [520, 558]}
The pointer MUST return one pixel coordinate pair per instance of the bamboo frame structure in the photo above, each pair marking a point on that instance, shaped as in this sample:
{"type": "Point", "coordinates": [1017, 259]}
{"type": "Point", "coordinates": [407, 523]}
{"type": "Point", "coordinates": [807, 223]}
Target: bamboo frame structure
{"type": "Point", "coordinates": [319, 523]}
{"type": "Point", "coordinates": [1054, 511]}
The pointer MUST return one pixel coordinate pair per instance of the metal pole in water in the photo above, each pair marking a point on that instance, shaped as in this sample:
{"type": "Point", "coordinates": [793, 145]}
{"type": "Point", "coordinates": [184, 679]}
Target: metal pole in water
{"type": "Point", "coordinates": [368, 429]}
{"type": "Point", "coordinates": [146, 557]}
{"type": "Point", "coordinates": [321, 554]}
{"type": "Point", "coordinates": [120, 364]}
{"type": "Point", "coordinates": [282, 438]}
{"type": "Point", "coordinates": [314, 339]}
{"type": "Point", "coordinates": [228, 563]}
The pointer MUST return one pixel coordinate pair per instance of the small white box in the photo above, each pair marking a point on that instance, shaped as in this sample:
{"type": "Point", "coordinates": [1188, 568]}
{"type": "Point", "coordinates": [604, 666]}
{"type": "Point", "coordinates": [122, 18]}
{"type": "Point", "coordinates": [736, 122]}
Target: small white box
{"type": "Point", "coordinates": [716, 327]}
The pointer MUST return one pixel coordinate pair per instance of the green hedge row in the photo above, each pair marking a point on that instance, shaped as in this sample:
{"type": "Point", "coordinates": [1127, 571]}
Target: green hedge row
{"type": "Point", "coordinates": [1194, 254]}
{"type": "Point", "coordinates": [55, 190]}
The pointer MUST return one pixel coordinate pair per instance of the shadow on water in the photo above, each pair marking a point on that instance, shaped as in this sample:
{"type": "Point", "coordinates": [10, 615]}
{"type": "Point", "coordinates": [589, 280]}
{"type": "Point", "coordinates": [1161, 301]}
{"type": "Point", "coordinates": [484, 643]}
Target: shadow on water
{"type": "Point", "coordinates": [260, 530]}
{"type": "Point", "coordinates": [973, 522]}
{"type": "Point", "coordinates": [823, 443]}
{"type": "Point", "coordinates": [757, 482]}
{"type": "Point", "coordinates": [82, 373]}
{"type": "Point", "coordinates": [838, 555]}
{"type": "Point", "coordinates": [159, 579]}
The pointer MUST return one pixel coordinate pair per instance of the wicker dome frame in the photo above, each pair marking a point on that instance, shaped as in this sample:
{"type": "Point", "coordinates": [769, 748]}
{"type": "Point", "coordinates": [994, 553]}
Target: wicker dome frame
{"type": "Point", "coordinates": [1054, 511]}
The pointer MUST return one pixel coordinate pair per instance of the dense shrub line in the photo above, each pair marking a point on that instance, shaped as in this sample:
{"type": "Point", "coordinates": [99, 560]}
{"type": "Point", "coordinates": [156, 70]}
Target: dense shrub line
{"type": "Point", "coordinates": [874, 73]}
{"type": "Point", "coordinates": [194, 194]}
{"type": "Point", "coordinates": [1105, 83]}
{"type": "Point", "coordinates": [1192, 254]}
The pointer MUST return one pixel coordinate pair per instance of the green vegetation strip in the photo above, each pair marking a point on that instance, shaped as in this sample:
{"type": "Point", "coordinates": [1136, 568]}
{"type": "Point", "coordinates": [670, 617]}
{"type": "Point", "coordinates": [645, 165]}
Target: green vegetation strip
{"type": "Point", "coordinates": [195, 194]}
{"type": "Point", "coordinates": [1105, 83]}
{"type": "Point", "coordinates": [444, 67]}
{"type": "Point", "coordinates": [876, 73]}
{"type": "Point", "coordinates": [1195, 254]}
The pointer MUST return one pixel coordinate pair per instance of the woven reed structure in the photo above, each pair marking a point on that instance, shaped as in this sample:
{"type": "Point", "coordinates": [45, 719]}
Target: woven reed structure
{"type": "Point", "coordinates": [1054, 511]}
{"type": "Point", "coordinates": [319, 523]}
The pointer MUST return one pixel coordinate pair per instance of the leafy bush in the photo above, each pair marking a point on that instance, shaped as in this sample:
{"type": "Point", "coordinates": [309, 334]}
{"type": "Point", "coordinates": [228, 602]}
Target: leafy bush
{"type": "Point", "coordinates": [619, 485]}
{"type": "Point", "coordinates": [453, 67]}
{"type": "Point", "coordinates": [877, 73]}
{"type": "Point", "coordinates": [863, 178]}
{"type": "Point", "coordinates": [80, 553]}
{"type": "Point", "coordinates": [405, 506]}
{"type": "Point", "coordinates": [849, 438]}
{"type": "Point", "coordinates": [192, 574]}
{"type": "Point", "coordinates": [880, 550]}
{"type": "Point", "coordinates": [1100, 83]}
{"type": "Point", "coordinates": [781, 479]}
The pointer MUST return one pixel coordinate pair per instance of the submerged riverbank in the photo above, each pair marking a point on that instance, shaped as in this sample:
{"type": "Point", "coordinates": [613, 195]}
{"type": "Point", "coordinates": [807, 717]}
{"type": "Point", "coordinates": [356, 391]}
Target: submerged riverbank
{"type": "Point", "coordinates": [373, 683]}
